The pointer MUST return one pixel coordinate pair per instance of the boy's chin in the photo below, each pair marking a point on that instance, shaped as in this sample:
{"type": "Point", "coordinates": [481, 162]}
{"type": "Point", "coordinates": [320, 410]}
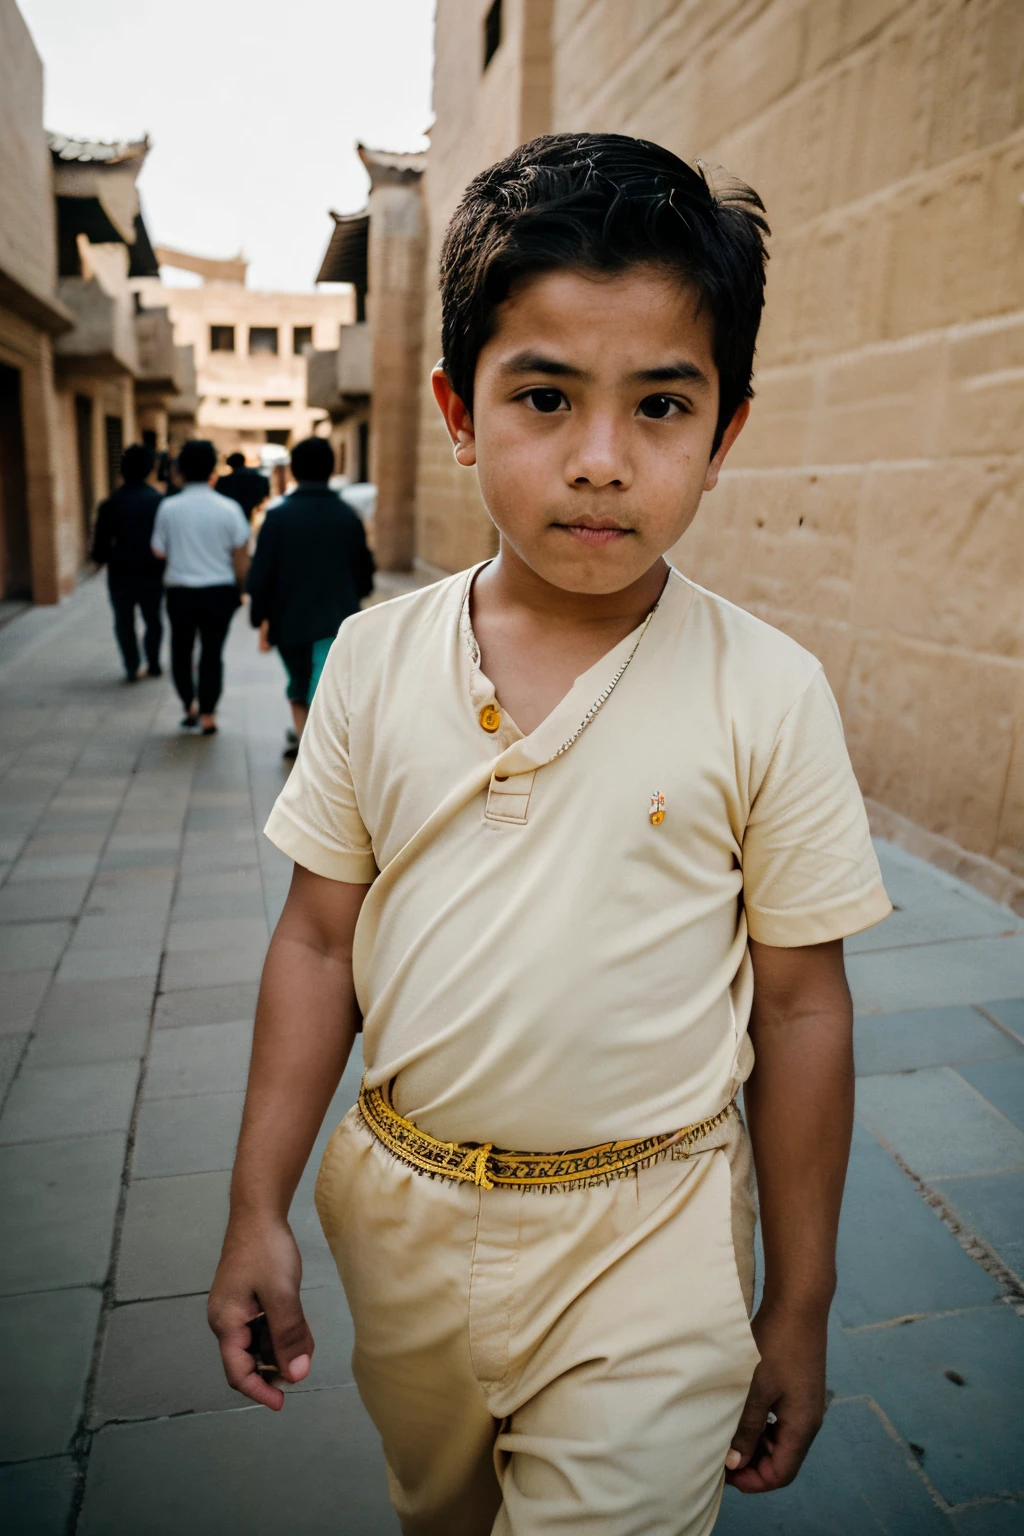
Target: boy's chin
{"type": "Point", "coordinates": [592, 572]}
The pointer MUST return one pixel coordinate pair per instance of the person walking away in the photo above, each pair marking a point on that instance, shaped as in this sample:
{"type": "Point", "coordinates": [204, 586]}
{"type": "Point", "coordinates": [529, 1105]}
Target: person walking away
{"type": "Point", "coordinates": [603, 840]}
{"type": "Point", "coordinates": [311, 569]}
{"type": "Point", "coordinates": [121, 540]}
{"type": "Point", "coordinates": [203, 539]}
{"type": "Point", "coordinates": [244, 485]}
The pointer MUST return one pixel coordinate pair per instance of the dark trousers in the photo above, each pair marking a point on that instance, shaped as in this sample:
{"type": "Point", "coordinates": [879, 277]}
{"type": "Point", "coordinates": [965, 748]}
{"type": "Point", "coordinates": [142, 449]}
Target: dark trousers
{"type": "Point", "coordinates": [148, 598]}
{"type": "Point", "coordinates": [206, 612]}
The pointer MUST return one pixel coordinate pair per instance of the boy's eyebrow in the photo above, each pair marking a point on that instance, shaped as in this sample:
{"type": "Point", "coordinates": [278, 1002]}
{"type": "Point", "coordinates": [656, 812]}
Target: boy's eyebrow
{"type": "Point", "coordinates": [681, 372]}
{"type": "Point", "coordinates": [672, 373]}
{"type": "Point", "coordinates": [536, 362]}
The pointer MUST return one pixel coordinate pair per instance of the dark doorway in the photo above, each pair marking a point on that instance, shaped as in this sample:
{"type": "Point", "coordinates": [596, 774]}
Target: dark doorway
{"type": "Point", "coordinates": [83, 443]}
{"type": "Point", "coordinates": [363, 452]}
{"type": "Point", "coordinates": [279, 435]}
{"type": "Point", "coordinates": [15, 553]}
{"type": "Point", "coordinates": [114, 434]}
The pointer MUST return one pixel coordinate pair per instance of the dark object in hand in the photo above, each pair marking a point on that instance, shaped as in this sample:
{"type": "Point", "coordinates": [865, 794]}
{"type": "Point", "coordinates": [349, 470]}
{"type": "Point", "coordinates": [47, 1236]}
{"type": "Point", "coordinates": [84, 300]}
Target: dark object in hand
{"type": "Point", "coordinates": [261, 1346]}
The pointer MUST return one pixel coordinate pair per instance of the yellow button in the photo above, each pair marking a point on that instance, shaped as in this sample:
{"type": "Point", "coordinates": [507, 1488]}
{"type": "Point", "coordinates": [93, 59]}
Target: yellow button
{"type": "Point", "coordinates": [490, 717]}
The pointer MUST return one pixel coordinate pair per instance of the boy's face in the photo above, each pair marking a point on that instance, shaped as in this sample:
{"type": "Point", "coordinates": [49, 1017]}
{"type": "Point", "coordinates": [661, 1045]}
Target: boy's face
{"type": "Point", "coordinates": [595, 408]}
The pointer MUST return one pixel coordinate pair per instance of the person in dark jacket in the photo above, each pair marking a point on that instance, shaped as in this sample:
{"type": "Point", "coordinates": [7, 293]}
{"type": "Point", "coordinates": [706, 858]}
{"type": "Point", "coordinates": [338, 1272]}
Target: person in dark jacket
{"type": "Point", "coordinates": [121, 538]}
{"type": "Point", "coordinates": [246, 486]}
{"type": "Point", "coordinates": [311, 569]}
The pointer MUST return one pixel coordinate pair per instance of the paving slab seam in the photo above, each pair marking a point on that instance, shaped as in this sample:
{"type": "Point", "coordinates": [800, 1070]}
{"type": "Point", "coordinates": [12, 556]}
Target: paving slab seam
{"type": "Point", "coordinates": [261, 845]}
{"type": "Point", "coordinates": [991, 1501]}
{"type": "Point", "coordinates": [49, 621]}
{"type": "Point", "coordinates": [919, 1317]}
{"type": "Point", "coordinates": [982, 1173]}
{"type": "Point", "coordinates": [974, 1246]}
{"type": "Point", "coordinates": [965, 938]}
{"type": "Point", "coordinates": [73, 928]}
{"type": "Point", "coordinates": [912, 1460]}
{"type": "Point", "coordinates": [994, 1019]}
{"type": "Point", "coordinates": [81, 1441]}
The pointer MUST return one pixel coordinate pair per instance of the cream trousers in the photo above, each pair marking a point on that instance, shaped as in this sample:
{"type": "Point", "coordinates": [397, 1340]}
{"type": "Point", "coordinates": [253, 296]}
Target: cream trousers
{"type": "Point", "coordinates": [572, 1362]}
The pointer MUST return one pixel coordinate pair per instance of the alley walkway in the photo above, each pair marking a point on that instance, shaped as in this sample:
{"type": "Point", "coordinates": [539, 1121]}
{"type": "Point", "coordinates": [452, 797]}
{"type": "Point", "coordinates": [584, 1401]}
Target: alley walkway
{"type": "Point", "coordinates": [136, 901]}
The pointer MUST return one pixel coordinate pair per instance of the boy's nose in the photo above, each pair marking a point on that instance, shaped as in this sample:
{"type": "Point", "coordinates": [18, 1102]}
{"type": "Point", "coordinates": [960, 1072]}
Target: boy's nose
{"type": "Point", "coordinates": [599, 457]}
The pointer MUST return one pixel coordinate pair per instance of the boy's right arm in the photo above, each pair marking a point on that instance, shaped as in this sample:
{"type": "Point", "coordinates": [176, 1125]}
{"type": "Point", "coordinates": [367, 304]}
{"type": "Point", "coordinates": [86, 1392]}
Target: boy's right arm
{"type": "Point", "coordinates": [305, 1024]}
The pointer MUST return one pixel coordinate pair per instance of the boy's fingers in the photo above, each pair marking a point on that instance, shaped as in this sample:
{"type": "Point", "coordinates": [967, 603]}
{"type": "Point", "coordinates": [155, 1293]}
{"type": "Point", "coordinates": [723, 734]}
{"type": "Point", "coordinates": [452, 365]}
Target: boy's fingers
{"type": "Point", "coordinates": [290, 1336]}
{"type": "Point", "coordinates": [241, 1372]}
{"type": "Point", "coordinates": [748, 1433]}
{"type": "Point", "coordinates": [773, 1467]}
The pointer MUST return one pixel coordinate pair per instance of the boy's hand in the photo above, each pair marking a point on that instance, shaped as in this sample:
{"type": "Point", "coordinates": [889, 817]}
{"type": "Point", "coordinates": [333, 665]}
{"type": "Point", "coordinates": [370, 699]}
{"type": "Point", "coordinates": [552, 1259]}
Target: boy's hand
{"type": "Point", "coordinates": [260, 1271]}
{"type": "Point", "coordinates": [264, 633]}
{"type": "Point", "coordinates": [789, 1383]}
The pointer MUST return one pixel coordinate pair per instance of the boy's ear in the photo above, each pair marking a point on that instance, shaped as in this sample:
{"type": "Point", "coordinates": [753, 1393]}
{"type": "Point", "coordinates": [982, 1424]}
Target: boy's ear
{"type": "Point", "coordinates": [729, 436]}
{"type": "Point", "coordinates": [456, 418]}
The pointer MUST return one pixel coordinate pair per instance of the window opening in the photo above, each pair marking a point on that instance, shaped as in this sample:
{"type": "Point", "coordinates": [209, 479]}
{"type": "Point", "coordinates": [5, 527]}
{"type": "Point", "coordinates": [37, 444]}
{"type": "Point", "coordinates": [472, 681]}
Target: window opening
{"type": "Point", "coordinates": [222, 338]}
{"type": "Point", "coordinates": [113, 431]}
{"type": "Point", "coordinates": [302, 337]}
{"type": "Point", "coordinates": [492, 32]}
{"type": "Point", "coordinates": [83, 446]}
{"type": "Point", "coordinates": [263, 338]}
{"type": "Point", "coordinates": [15, 550]}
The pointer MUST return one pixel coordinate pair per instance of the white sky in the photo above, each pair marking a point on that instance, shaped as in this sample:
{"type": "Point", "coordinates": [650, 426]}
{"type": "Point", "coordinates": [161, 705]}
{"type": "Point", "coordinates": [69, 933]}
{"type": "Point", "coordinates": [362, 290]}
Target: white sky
{"type": "Point", "coordinates": [253, 110]}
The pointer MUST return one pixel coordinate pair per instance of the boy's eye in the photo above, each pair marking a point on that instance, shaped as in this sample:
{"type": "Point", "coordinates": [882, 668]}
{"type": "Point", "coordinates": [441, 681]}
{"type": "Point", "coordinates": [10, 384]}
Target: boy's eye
{"type": "Point", "coordinates": [657, 407]}
{"type": "Point", "coordinates": [544, 400]}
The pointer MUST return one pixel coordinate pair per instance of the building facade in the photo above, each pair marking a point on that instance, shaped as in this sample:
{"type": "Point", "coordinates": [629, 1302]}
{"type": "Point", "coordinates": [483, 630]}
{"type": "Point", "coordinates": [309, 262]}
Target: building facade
{"type": "Point", "coordinates": [32, 318]}
{"type": "Point", "coordinates": [369, 385]}
{"type": "Point", "coordinates": [248, 350]}
{"type": "Point", "coordinates": [872, 507]}
{"type": "Point", "coordinates": [79, 370]}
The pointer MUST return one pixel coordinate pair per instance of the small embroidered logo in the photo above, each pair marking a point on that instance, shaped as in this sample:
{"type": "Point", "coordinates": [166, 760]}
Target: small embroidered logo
{"type": "Point", "coordinates": [656, 811]}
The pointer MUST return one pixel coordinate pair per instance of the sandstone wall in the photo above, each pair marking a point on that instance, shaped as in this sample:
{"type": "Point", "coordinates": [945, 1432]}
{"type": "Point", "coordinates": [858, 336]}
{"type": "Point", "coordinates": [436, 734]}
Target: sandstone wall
{"type": "Point", "coordinates": [30, 314]}
{"type": "Point", "coordinates": [395, 261]}
{"type": "Point", "coordinates": [873, 507]}
{"type": "Point", "coordinates": [28, 229]}
{"type": "Point", "coordinates": [481, 115]}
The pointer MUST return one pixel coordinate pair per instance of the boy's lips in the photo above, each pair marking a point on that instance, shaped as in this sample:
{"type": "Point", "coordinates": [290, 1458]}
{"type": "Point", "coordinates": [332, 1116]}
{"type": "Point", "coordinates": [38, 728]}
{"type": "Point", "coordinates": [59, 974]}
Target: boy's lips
{"type": "Point", "coordinates": [594, 531]}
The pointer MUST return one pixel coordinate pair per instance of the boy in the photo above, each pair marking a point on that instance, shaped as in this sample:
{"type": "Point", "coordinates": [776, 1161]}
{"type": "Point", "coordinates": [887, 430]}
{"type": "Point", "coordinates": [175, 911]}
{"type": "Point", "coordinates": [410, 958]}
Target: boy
{"type": "Point", "coordinates": [594, 822]}
{"type": "Point", "coordinates": [310, 571]}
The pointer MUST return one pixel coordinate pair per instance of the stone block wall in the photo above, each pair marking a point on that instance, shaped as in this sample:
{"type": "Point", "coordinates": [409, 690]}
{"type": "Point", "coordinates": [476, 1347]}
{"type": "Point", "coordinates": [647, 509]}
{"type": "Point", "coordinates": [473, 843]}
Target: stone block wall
{"type": "Point", "coordinates": [872, 507]}
{"type": "Point", "coordinates": [481, 115]}
{"type": "Point", "coordinates": [30, 313]}
{"type": "Point", "coordinates": [395, 261]}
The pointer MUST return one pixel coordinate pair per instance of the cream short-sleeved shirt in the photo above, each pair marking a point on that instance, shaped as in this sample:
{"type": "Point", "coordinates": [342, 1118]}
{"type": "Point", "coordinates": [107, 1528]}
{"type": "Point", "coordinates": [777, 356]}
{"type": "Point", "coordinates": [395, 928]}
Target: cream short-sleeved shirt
{"type": "Point", "coordinates": [539, 965]}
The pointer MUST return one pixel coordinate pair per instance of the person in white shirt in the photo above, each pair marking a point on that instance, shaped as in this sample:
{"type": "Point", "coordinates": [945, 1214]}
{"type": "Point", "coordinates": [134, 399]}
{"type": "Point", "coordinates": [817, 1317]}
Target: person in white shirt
{"type": "Point", "coordinates": [203, 537]}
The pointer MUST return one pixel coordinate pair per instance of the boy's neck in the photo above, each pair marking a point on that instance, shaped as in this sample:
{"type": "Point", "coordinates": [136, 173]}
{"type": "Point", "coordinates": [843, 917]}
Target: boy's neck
{"type": "Point", "coordinates": [508, 583]}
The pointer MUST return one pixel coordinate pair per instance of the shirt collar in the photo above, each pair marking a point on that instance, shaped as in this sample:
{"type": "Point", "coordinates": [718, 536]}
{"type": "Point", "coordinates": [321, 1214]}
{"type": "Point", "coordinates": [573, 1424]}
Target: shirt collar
{"type": "Point", "coordinates": [571, 716]}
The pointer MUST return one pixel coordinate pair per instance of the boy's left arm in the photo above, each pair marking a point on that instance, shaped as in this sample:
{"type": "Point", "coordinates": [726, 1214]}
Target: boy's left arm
{"type": "Point", "coordinates": [799, 1106]}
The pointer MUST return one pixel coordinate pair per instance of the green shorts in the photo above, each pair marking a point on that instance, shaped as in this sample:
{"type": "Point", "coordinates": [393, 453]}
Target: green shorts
{"type": "Point", "coordinates": [304, 664]}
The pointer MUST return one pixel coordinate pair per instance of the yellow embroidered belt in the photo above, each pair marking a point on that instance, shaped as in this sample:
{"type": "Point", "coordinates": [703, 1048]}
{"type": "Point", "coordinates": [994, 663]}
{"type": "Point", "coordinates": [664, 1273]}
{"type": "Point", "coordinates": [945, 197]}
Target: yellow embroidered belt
{"type": "Point", "coordinates": [488, 1166]}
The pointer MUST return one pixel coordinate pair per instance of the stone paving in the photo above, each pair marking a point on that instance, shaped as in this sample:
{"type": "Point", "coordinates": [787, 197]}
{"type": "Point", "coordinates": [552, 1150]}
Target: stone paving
{"type": "Point", "coordinates": [136, 901]}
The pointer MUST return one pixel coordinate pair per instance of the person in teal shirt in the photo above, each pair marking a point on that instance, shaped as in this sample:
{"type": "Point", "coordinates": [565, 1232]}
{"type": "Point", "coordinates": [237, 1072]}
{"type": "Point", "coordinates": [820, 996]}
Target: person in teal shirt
{"type": "Point", "coordinates": [312, 568]}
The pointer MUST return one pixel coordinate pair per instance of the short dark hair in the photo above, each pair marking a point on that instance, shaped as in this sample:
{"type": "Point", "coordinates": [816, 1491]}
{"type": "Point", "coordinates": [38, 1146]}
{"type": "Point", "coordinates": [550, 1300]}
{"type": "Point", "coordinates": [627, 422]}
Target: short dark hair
{"type": "Point", "coordinates": [236, 460]}
{"type": "Point", "coordinates": [197, 460]}
{"type": "Point", "coordinates": [602, 202]}
{"type": "Point", "coordinates": [137, 462]}
{"type": "Point", "coordinates": [313, 459]}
